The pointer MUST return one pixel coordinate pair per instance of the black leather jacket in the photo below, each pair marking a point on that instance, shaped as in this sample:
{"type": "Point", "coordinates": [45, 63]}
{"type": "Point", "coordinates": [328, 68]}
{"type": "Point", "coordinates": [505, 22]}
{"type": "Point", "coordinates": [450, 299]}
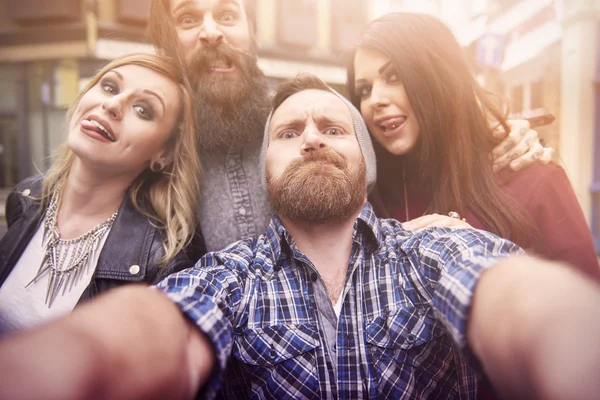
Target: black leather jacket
{"type": "Point", "coordinates": [129, 255]}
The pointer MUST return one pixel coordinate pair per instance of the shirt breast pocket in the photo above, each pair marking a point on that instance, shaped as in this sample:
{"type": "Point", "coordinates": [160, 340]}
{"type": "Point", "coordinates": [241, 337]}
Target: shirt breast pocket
{"type": "Point", "coordinates": [404, 347]}
{"type": "Point", "coordinates": [280, 360]}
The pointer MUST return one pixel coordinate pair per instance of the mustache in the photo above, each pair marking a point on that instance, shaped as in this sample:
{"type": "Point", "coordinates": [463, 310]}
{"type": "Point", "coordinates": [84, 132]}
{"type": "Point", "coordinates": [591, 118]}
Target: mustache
{"type": "Point", "coordinates": [205, 58]}
{"type": "Point", "coordinates": [320, 155]}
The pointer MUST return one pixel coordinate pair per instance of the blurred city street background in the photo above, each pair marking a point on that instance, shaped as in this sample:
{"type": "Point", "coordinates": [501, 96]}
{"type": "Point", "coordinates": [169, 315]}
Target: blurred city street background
{"type": "Point", "coordinates": [543, 55]}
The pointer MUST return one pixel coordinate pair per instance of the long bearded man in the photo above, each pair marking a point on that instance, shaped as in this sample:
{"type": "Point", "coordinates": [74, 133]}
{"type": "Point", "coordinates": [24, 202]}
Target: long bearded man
{"type": "Point", "coordinates": [214, 39]}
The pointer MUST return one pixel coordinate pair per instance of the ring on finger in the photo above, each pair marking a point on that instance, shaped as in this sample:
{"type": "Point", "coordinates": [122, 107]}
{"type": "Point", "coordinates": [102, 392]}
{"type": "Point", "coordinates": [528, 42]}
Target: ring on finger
{"type": "Point", "coordinates": [455, 215]}
{"type": "Point", "coordinates": [536, 155]}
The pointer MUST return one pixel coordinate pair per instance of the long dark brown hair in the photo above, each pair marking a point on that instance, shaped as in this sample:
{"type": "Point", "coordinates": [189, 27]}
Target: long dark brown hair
{"type": "Point", "coordinates": [451, 157]}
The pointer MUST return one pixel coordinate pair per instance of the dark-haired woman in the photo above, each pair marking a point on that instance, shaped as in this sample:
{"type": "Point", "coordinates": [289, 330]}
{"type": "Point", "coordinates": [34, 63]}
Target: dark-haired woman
{"type": "Point", "coordinates": [430, 122]}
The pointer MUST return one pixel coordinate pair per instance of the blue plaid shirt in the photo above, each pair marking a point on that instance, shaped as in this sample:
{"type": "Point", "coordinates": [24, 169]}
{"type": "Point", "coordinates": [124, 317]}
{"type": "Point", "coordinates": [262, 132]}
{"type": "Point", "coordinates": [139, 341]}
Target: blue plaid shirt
{"type": "Point", "coordinates": [401, 328]}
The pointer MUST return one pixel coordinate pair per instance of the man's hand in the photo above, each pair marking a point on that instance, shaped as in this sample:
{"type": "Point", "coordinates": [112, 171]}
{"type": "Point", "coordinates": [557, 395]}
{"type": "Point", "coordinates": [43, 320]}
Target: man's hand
{"type": "Point", "coordinates": [520, 148]}
{"type": "Point", "coordinates": [131, 343]}
{"type": "Point", "coordinates": [534, 327]}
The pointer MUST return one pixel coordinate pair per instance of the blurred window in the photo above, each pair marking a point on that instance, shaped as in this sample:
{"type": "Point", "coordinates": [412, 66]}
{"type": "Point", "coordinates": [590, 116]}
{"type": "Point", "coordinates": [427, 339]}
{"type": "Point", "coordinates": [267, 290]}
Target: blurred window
{"type": "Point", "coordinates": [498, 7]}
{"type": "Point", "coordinates": [516, 99]}
{"type": "Point", "coordinates": [134, 12]}
{"type": "Point", "coordinates": [297, 23]}
{"type": "Point", "coordinates": [349, 18]}
{"type": "Point", "coordinates": [8, 150]}
{"type": "Point", "coordinates": [537, 95]}
{"type": "Point", "coordinates": [36, 11]}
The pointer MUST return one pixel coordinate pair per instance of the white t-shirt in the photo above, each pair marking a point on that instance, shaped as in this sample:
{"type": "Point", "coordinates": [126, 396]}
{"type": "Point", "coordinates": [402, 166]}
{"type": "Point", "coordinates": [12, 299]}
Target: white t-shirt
{"type": "Point", "coordinates": [25, 308]}
{"type": "Point", "coordinates": [337, 308]}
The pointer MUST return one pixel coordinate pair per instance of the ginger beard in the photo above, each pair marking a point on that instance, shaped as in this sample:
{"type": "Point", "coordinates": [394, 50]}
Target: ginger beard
{"type": "Point", "coordinates": [231, 107]}
{"type": "Point", "coordinates": [318, 188]}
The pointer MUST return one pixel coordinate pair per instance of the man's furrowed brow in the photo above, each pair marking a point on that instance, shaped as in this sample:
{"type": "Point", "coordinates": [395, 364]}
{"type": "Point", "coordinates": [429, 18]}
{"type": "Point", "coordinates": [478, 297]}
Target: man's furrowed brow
{"type": "Point", "coordinates": [288, 123]}
{"type": "Point", "coordinates": [328, 120]}
{"type": "Point", "coordinates": [328, 117]}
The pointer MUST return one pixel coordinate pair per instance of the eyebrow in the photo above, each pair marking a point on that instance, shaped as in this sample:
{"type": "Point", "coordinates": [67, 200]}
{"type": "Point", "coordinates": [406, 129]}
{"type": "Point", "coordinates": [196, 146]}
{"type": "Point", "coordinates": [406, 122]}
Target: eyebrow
{"type": "Point", "coordinates": [325, 119]}
{"type": "Point", "coordinates": [384, 67]}
{"type": "Point", "coordinates": [150, 92]}
{"type": "Point", "coordinates": [183, 4]}
{"type": "Point", "coordinates": [289, 123]}
{"type": "Point", "coordinates": [380, 71]}
{"type": "Point", "coordinates": [230, 2]}
{"type": "Point", "coordinates": [190, 3]}
{"type": "Point", "coordinates": [321, 120]}
{"type": "Point", "coordinates": [117, 73]}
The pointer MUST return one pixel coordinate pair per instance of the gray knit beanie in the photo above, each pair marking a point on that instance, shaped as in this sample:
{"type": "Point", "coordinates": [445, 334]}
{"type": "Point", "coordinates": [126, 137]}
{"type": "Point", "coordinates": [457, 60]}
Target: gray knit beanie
{"type": "Point", "coordinates": [362, 135]}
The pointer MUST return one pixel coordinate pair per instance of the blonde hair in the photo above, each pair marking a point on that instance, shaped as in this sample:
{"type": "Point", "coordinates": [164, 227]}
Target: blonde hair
{"type": "Point", "coordinates": [168, 198]}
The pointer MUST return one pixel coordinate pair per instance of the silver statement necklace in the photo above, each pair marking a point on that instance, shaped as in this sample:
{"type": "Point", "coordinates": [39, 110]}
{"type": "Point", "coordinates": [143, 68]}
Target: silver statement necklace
{"type": "Point", "coordinates": [66, 261]}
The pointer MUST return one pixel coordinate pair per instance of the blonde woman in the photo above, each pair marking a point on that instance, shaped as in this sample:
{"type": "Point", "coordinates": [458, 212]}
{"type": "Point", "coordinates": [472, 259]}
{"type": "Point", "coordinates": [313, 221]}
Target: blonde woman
{"type": "Point", "coordinates": [118, 204]}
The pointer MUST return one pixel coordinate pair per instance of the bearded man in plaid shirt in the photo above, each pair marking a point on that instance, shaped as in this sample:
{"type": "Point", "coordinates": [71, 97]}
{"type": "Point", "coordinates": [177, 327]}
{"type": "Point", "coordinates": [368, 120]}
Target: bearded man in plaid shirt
{"type": "Point", "coordinates": [331, 302]}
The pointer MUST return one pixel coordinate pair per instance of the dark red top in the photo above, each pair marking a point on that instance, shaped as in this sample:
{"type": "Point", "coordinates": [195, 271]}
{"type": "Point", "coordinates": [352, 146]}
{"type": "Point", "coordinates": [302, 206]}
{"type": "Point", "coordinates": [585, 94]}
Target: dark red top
{"type": "Point", "coordinates": [545, 194]}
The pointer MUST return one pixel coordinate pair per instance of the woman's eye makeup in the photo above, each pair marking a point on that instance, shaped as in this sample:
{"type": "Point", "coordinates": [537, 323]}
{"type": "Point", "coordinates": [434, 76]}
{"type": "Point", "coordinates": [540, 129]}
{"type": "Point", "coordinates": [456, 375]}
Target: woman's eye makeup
{"type": "Point", "coordinates": [391, 76]}
{"type": "Point", "coordinates": [362, 90]}
{"type": "Point", "coordinates": [109, 86]}
{"type": "Point", "coordinates": [144, 110]}
{"type": "Point", "coordinates": [389, 73]}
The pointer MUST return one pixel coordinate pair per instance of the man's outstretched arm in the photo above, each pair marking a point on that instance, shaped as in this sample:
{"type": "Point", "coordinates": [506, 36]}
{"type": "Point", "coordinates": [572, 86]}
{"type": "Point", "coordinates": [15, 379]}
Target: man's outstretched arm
{"type": "Point", "coordinates": [535, 327]}
{"type": "Point", "coordinates": [132, 343]}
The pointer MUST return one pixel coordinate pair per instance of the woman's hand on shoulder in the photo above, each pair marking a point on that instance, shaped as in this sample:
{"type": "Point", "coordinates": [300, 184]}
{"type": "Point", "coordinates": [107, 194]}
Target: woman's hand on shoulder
{"type": "Point", "coordinates": [435, 220]}
{"type": "Point", "coordinates": [519, 148]}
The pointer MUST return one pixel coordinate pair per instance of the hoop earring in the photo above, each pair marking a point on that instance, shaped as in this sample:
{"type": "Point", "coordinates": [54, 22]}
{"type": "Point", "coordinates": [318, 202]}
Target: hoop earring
{"type": "Point", "coordinates": [156, 166]}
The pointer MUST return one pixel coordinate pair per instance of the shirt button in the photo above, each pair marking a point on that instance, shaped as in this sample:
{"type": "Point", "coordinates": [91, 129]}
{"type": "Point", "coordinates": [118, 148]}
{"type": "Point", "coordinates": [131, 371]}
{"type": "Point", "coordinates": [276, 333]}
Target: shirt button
{"type": "Point", "coordinates": [134, 269]}
{"type": "Point", "coordinates": [26, 192]}
{"type": "Point", "coordinates": [334, 348]}
{"type": "Point", "coordinates": [242, 211]}
{"type": "Point", "coordinates": [314, 277]}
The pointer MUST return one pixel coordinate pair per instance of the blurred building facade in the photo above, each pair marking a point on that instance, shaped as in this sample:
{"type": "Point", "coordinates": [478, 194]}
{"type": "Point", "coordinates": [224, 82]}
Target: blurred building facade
{"type": "Point", "coordinates": [50, 48]}
{"type": "Point", "coordinates": [544, 55]}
